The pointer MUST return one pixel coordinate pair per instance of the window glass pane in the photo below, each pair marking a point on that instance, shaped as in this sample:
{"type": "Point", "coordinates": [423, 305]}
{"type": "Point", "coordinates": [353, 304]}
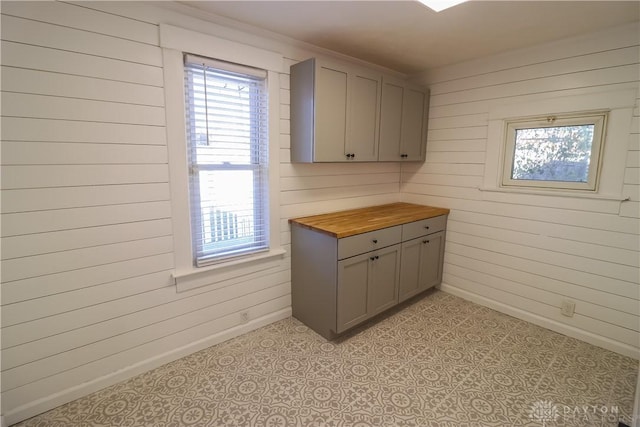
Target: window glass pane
{"type": "Point", "coordinates": [224, 117]}
{"type": "Point", "coordinates": [560, 153]}
{"type": "Point", "coordinates": [227, 207]}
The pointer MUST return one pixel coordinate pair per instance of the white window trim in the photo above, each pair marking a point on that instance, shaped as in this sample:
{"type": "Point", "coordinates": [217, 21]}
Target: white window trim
{"type": "Point", "coordinates": [175, 42]}
{"type": "Point", "coordinates": [620, 105]}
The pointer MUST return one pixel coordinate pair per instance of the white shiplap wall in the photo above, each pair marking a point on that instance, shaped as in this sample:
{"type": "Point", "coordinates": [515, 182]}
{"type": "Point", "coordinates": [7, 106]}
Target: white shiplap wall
{"type": "Point", "coordinates": [87, 245]}
{"type": "Point", "coordinates": [525, 254]}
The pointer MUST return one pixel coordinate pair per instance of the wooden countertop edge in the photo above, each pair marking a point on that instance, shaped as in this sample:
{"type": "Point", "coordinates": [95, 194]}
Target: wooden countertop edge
{"type": "Point", "coordinates": [393, 214]}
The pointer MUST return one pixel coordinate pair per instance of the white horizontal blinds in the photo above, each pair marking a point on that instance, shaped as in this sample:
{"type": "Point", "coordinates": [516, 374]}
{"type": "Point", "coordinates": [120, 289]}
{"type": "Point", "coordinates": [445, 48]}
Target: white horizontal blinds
{"type": "Point", "coordinates": [228, 154]}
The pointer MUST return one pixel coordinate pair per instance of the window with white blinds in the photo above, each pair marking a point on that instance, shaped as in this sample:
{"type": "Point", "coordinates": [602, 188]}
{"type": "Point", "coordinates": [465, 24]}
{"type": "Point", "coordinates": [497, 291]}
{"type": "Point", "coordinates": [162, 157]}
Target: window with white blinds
{"type": "Point", "coordinates": [227, 137]}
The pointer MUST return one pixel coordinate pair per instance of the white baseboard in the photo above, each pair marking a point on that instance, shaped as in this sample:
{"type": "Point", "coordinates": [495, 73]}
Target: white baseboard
{"type": "Point", "coordinates": [553, 325]}
{"type": "Point", "coordinates": [39, 406]}
{"type": "Point", "coordinates": [636, 406]}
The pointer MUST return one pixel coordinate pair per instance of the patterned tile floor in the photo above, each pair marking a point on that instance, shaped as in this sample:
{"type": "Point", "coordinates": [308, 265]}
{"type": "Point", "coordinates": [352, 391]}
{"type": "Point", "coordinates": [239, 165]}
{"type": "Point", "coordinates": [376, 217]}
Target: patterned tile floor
{"type": "Point", "coordinates": [441, 361]}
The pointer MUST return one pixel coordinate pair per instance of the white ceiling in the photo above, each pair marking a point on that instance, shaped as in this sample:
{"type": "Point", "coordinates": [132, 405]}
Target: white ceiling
{"type": "Point", "coordinates": [409, 37]}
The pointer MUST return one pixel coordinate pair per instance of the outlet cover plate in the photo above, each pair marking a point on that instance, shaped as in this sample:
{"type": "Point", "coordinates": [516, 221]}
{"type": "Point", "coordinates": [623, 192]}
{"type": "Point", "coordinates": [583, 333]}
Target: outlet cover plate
{"type": "Point", "coordinates": [568, 308]}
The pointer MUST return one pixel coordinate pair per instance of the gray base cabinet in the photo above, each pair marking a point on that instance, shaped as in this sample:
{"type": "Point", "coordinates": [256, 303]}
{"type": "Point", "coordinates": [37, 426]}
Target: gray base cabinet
{"type": "Point", "coordinates": [367, 285]}
{"type": "Point", "coordinates": [422, 256]}
{"type": "Point", "coordinates": [338, 283]}
{"type": "Point", "coordinates": [421, 264]}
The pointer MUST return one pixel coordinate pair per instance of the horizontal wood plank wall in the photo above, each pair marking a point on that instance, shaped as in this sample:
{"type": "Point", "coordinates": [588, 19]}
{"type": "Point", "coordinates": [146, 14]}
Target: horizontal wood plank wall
{"type": "Point", "coordinates": [525, 254]}
{"type": "Point", "coordinates": [87, 247]}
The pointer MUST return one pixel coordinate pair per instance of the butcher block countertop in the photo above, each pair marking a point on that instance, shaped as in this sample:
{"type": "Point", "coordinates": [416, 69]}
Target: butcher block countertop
{"type": "Point", "coordinates": [356, 221]}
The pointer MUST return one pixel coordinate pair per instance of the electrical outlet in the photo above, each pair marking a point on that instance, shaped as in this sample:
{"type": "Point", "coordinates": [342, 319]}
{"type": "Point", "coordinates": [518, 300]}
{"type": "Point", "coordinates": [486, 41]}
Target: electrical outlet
{"type": "Point", "coordinates": [568, 308]}
{"type": "Point", "coordinates": [244, 316]}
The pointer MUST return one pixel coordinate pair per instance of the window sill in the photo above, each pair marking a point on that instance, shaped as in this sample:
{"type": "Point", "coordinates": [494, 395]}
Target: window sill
{"type": "Point", "coordinates": [192, 278]}
{"type": "Point", "coordinates": [578, 194]}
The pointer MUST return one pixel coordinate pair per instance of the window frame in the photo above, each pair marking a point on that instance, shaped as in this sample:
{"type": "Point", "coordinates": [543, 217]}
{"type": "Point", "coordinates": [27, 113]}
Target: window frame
{"type": "Point", "coordinates": [258, 164]}
{"type": "Point", "coordinates": [619, 102]}
{"type": "Point", "coordinates": [598, 119]}
{"type": "Point", "coordinates": [174, 42]}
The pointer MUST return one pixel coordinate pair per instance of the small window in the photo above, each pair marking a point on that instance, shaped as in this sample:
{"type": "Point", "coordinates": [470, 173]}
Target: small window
{"type": "Point", "coordinates": [560, 152]}
{"type": "Point", "coordinates": [226, 112]}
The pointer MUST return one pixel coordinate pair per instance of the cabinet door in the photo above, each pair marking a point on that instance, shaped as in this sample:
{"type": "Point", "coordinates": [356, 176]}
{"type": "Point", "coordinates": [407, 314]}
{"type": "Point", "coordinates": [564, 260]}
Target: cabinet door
{"type": "Point", "coordinates": [410, 268]}
{"type": "Point", "coordinates": [413, 124]}
{"type": "Point", "coordinates": [353, 277]}
{"type": "Point", "coordinates": [431, 260]}
{"type": "Point", "coordinates": [383, 279]}
{"type": "Point", "coordinates": [364, 99]}
{"type": "Point", "coordinates": [402, 121]}
{"type": "Point", "coordinates": [330, 115]}
{"type": "Point", "coordinates": [390, 121]}
{"type": "Point", "coordinates": [421, 264]}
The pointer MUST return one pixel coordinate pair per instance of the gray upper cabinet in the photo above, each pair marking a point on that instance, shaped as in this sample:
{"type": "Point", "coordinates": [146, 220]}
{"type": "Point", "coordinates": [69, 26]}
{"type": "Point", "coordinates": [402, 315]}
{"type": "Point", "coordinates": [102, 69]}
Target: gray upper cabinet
{"type": "Point", "coordinates": [335, 112]}
{"type": "Point", "coordinates": [403, 121]}
{"type": "Point", "coordinates": [364, 113]}
{"type": "Point", "coordinates": [329, 117]}
{"type": "Point", "coordinates": [346, 113]}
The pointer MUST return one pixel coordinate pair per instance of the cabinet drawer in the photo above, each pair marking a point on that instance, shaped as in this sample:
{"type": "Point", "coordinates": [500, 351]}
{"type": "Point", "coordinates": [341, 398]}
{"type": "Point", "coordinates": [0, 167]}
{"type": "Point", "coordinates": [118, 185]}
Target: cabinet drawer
{"type": "Point", "coordinates": [423, 227]}
{"type": "Point", "coordinates": [365, 242]}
